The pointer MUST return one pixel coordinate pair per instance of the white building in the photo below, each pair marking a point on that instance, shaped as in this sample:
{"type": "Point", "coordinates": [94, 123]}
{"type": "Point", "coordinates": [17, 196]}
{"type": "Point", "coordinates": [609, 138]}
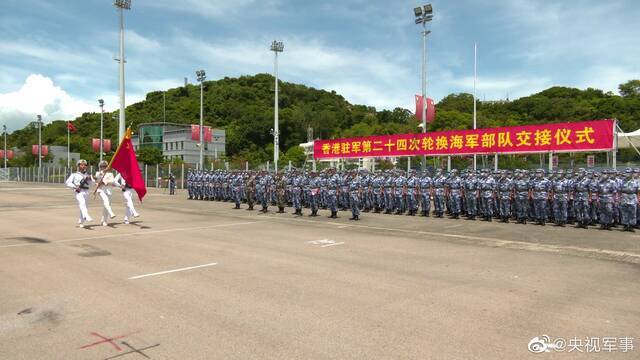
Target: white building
{"type": "Point", "coordinates": [174, 140]}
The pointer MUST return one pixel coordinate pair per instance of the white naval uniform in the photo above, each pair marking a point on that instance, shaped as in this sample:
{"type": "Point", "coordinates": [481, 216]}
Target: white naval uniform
{"type": "Point", "coordinates": [105, 182]}
{"type": "Point", "coordinates": [127, 193]}
{"type": "Point", "coordinates": [81, 194]}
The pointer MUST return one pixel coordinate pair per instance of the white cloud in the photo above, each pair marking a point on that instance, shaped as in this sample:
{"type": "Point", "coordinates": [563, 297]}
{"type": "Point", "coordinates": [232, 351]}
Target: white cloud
{"type": "Point", "coordinates": [39, 96]}
{"type": "Point", "coordinates": [219, 9]}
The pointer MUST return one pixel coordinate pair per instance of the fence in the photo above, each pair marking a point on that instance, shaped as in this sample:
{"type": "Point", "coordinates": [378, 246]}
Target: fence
{"type": "Point", "coordinates": [158, 175]}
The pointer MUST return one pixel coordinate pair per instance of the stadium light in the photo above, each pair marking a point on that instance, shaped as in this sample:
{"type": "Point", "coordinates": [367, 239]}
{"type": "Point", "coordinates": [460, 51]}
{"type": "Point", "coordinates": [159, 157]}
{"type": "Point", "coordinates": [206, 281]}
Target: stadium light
{"type": "Point", "coordinates": [122, 5]}
{"type": "Point", "coordinates": [423, 15]}
{"type": "Point", "coordinates": [276, 47]}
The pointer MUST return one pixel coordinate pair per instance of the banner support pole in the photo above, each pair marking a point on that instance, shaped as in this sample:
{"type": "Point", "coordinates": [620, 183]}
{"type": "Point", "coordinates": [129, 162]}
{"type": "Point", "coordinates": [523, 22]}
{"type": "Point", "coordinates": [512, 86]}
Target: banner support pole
{"type": "Point", "coordinates": [550, 161]}
{"type": "Point", "coordinates": [615, 144]}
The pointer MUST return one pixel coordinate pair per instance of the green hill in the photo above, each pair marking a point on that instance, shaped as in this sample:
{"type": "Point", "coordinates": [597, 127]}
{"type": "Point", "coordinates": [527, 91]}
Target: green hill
{"type": "Point", "coordinates": [244, 108]}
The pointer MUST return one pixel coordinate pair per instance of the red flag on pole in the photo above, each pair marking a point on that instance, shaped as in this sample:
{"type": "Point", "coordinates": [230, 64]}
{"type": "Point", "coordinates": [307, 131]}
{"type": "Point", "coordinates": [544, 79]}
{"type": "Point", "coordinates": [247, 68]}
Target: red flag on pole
{"type": "Point", "coordinates": [431, 109]}
{"type": "Point", "coordinates": [195, 132]}
{"type": "Point", "coordinates": [95, 144]}
{"type": "Point", "coordinates": [207, 134]}
{"type": "Point", "coordinates": [106, 145]}
{"type": "Point", "coordinates": [45, 150]}
{"type": "Point", "coordinates": [70, 127]}
{"type": "Point", "coordinates": [125, 162]}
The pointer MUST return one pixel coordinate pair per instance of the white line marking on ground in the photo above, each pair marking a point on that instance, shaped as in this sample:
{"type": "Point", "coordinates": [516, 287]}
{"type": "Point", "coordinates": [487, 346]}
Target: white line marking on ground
{"type": "Point", "coordinates": [37, 207]}
{"type": "Point", "coordinates": [141, 233]}
{"type": "Point", "coordinates": [35, 188]}
{"type": "Point", "coordinates": [171, 271]}
{"type": "Point", "coordinates": [501, 243]}
{"type": "Point", "coordinates": [334, 244]}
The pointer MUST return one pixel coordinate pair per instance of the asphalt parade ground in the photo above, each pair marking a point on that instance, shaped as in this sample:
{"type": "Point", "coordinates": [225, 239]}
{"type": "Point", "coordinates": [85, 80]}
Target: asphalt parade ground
{"type": "Point", "coordinates": [198, 280]}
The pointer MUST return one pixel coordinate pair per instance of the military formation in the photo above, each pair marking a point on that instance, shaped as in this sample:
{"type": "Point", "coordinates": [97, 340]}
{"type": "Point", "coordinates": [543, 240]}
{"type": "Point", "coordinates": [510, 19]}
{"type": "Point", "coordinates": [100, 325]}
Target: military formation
{"type": "Point", "coordinates": [584, 198]}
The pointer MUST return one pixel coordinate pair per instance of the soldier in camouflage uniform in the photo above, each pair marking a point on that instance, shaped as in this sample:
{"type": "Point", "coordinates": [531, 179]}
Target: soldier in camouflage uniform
{"type": "Point", "coordinates": [629, 192]}
{"type": "Point", "coordinates": [281, 188]}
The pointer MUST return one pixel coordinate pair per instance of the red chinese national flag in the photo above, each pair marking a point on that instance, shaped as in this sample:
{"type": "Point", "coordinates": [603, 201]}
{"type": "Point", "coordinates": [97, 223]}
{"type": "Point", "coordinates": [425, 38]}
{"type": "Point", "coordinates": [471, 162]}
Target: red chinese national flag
{"type": "Point", "coordinates": [126, 163]}
{"type": "Point", "coordinates": [70, 127]}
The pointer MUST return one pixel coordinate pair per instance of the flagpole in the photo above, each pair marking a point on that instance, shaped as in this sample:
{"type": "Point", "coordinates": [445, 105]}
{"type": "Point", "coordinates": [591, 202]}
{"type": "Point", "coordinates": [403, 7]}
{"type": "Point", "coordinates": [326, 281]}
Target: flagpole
{"type": "Point", "coordinates": [475, 77]}
{"type": "Point", "coordinates": [68, 147]}
{"type": "Point", "coordinates": [127, 135]}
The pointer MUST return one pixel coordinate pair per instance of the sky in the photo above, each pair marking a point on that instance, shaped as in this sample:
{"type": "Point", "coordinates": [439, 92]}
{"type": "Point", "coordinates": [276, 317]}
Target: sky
{"type": "Point", "coordinates": [57, 56]}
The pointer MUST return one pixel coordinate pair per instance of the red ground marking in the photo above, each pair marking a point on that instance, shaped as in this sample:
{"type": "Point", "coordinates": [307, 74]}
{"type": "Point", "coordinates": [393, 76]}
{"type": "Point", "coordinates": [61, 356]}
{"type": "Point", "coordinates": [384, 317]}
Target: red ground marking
{"type": "Point", "coordinates": [105, 340]}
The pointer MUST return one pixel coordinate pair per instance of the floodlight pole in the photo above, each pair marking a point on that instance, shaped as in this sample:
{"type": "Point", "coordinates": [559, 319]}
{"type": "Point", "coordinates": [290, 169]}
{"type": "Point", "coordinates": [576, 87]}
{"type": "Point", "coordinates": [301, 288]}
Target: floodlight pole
{"type": "Point", "coordinates": [122, 5]}
{"type": "Point", "coordinates": [39, 146]}
{"type": "Point", "coordinates": [423, 15]}
{"type": "Point", "coordinates": [475, 76]}
{"type": "Point", "coordinates": [276, 47]}
{"type": "Point", "coordinates": [101, 102]}
{"type": "Point", "coordinates": [201, 77]}
{"type": "Point", "coordinates": [423, 164]}
{"type": "Point", "coordinates": [4, 130]}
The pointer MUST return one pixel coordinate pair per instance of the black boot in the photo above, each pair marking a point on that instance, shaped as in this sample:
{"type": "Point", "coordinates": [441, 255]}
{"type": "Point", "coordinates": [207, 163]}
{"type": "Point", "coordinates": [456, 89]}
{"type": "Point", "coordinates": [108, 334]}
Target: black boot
{"type": "Point", "coordinates": [281, 210]}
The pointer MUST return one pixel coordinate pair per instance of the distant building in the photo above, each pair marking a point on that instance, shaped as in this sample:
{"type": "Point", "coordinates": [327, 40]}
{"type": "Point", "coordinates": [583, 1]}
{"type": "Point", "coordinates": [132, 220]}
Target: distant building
{"type": "Point", "coordinates": [174, 140]}
{"type": "Point", "coordinates": [58, 156]}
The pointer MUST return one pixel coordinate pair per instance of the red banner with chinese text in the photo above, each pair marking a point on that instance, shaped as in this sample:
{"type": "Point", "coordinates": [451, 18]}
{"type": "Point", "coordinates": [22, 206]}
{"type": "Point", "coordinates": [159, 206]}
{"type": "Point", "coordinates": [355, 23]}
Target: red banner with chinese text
{"type": "Point", "coordinates": [595, 135]}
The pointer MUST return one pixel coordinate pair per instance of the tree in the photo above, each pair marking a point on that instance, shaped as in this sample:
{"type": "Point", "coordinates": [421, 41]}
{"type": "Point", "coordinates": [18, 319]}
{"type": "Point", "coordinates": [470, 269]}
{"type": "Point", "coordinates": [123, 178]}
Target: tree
{"type": "Point", "coordinates": [296, 155]}
{"type": "Point", "coordinates": [630, 89]}
{"type": "Point", "coordinates": [150, 155]}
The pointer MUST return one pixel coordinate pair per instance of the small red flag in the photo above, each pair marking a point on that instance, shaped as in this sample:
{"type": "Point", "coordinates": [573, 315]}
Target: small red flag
{"type": "Point", "coordinates": [70, 127]}
{"type": "Point", "coordinates": [126, 163]}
